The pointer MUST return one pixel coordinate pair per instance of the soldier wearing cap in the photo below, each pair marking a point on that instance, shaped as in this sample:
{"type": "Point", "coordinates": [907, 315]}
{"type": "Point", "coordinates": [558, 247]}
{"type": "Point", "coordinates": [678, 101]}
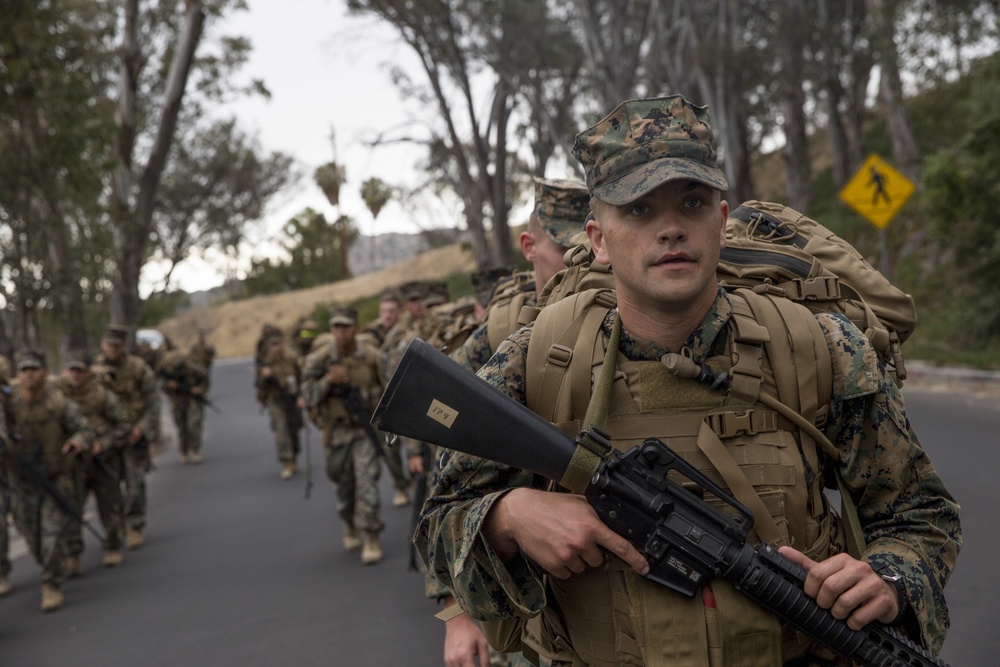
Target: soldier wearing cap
{"type": "Point", "coordinates": [511, 548]}
{"type": "Point", "coordinates": [389, 310]}
{"type": "Point", "coordinates": [561, 208]}
{"type": "Point", "coordinates": [101, 470]}
{"type": "Point", "coordinates": [45, 432]}
{"type": "Point", "coordinates": [279, 380]}
{"type": "Point", "coordinates": [341, 386]}
{"type": "Point", "coordinates": [186, 381]}
{"type": "Point", "coordinates": [135, 384]}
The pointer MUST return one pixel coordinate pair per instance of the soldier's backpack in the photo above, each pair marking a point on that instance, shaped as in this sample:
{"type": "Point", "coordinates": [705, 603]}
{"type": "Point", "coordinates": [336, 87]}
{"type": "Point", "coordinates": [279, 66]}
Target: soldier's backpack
{"type": "Point", "coordinates": [774, 249]}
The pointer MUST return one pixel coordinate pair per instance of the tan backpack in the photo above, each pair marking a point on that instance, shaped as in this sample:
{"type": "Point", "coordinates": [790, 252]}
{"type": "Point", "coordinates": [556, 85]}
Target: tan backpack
{"type": "Point", "coordinates": [774, 249]}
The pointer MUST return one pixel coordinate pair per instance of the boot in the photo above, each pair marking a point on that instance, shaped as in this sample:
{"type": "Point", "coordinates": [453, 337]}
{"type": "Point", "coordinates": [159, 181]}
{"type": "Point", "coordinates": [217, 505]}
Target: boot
{"type": "Point", "coordinates": [195, 457]}
{"type": "Point", "coordinates": [134, 538]}
{"type": "Point", "coordinates": [351, 540]}
{"type": "Point", "coordinates": [4, 585]}
{"type": "Point", "coordinates": [112, 558]}
{"type": "Point", "coordinates": [401, 498]}
{"type": "Point", "coordinates": [184, 459]}
{"type": "Point", "coordinates": [371, 553]}
{"type": "Point", "coordinates": [287, 470]}
{"type": "Point", "coordinates": [52, 597]}
{"type": "Point", "coordinates": [74, 567]}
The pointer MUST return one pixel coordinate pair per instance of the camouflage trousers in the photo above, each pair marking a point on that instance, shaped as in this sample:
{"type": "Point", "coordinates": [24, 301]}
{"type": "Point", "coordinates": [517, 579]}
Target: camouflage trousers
{"type": "Point", "coordinates": [189, 416]}
{"type": "Point", "coordinates": [352, 464]}
{"type": "Point", "coordinates": [137, 463]}
{"type": "Point", "coordinates": [394, 462]}
{"type": "Point", "coordinates": [105, 482]}
{"type": "Point", "coordinates": [44, 526]}
{"type": "Point", "coordinates": [286, 426]}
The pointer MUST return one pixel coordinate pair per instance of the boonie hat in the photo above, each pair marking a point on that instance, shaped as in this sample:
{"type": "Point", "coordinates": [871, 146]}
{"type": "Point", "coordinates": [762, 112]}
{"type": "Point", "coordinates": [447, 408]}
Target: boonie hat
{"type": "Point", "coordinates": [645, 143]}
{"type": "Point", "coordinates": [561, 207]}
{"type": "Point", "coordinates": [344, 315]}
{"type": "Point", "coordinates": [26, 359]}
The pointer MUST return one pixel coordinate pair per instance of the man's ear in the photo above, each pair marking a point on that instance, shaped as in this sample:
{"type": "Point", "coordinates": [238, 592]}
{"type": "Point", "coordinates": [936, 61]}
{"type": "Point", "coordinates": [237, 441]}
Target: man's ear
{"type": "Point", "coordinates": [527, 240]}
{"type": "Point", "coordinates": [596, 237]}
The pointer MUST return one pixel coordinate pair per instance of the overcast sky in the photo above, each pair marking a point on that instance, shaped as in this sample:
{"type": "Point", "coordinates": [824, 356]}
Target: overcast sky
{"type": "Point", "coordinates": [327, 71]}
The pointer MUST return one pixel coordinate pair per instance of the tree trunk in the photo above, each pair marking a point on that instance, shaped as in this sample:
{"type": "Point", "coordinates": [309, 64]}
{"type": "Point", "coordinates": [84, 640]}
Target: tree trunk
{"type": "Point", "coordinates": [832, 90]}
{"type": "Point", "coordinates": [904, 143]}
{"type": "Point", "coordinates": [796, 150]}
{"type": "Point", "coordinates": [133, 224]}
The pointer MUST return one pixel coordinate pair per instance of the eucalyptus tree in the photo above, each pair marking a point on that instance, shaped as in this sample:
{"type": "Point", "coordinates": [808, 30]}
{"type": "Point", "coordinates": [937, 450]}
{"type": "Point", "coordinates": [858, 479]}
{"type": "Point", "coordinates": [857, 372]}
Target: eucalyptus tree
{"type": "Point", "coordinates": [54, 132]}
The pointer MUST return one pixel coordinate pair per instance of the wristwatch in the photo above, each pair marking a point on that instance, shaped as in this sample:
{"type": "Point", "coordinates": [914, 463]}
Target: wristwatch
{"type": "Point", "coordinates": [895, 579]}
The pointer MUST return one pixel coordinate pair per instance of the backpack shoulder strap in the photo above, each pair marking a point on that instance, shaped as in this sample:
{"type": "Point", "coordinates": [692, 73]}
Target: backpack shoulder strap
{"type": "Point", "coordinates": [565, 335]}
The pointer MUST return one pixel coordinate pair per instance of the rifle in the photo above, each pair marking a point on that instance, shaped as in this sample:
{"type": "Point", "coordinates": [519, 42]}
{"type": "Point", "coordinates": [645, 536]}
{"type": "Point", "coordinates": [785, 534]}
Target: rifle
{"type": "Point", "coordinates": [686, 541]}
{"type": "Point", "coordinates": [185, 388]}
{"type": "Point", "coordinates": [35, 472]}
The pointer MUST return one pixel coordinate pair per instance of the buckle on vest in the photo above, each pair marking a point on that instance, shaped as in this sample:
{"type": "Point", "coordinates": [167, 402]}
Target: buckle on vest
{"type": "Point", "coordinates": [821, 288]}
{"type": "Point", "coordinates": [732, 424]}
{"type": "Point", "coordinates": [560, 355]}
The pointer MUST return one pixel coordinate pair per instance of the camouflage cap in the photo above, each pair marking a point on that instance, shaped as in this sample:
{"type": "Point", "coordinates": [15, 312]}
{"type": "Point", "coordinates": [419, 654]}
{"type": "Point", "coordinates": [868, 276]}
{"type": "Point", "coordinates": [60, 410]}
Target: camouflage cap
{"type": "Point", "coordinates": [79, 360]}
{"type": "Point", "coordinates": [116, 333]}
{"type": "Point", "coordinates": [484, 281]}
{"type": "Point", "coordinates": [413, 290]}
{"type": "Point", "coordinates": [645, 143]}
{"type": "Point", "coordinates": [343, 316]}
{"type": "Point", "coordinates": [437, 293]}
{"type": "Point", "coordinates": [561, 207]}
{"type": "Point", "coordinates": [30, 358]}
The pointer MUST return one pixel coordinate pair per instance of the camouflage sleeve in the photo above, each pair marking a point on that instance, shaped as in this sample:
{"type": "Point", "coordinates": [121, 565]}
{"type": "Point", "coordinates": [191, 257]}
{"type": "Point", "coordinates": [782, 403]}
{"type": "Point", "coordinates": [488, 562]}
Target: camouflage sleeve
{"type": "Point", "coordinates": [449, 531]}
{"type": "Point", "coordinates": [74, 423]}
{"type": "Point", "coordinates": [118, 419]}
{"type": "Point", "coordinates": [149, 422]}
{"type": "Point", "coordinates": [910, 520]}
{"type": "Point", "coordinates": [314, 385]}
{"type": "Point", "coordinates": [475, 351]}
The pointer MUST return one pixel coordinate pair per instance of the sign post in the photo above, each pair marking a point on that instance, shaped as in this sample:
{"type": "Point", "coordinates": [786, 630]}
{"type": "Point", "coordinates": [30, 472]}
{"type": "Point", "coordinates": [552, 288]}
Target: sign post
{"type": "Point", "coordinates": [876, 192]}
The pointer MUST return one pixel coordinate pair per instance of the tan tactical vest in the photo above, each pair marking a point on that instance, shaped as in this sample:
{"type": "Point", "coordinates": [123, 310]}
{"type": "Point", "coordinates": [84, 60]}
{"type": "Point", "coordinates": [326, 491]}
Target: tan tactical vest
{"type": "Point", "coordinates": [362, 369]}
{"type": "Point", "coordinates": [611, 615]}
{"type": "Point", "coordinates": [284, 367]}
{"type": "Point", "coordinates": [92, 404]}
{"type": "Point", "coordinates": [40, 426]}
{"type": "Point", "coordinates": [126, 381]}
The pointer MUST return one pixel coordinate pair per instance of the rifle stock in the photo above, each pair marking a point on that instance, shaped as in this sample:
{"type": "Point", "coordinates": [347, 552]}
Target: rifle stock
{"type": "Point", "coordinates": [432, 398]}
{"type": "Point", "coordinates": [687, 542]}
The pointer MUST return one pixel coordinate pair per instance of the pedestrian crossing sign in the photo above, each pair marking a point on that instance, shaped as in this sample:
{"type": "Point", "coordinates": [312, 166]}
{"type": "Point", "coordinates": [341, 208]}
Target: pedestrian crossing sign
{"type": "Point", "coordinates": [877, 191]}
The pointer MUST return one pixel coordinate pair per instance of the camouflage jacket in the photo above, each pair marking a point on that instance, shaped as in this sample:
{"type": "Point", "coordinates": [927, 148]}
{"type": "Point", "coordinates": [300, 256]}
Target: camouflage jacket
{"type": "Point", "coordinates": [134, 382]}
{"type": "Point", "coordinates": [909, 519]}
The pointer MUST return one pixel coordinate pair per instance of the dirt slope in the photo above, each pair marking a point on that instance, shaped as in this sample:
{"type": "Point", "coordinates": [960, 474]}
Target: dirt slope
{"type": "Point", "coordinates": [234, 326]}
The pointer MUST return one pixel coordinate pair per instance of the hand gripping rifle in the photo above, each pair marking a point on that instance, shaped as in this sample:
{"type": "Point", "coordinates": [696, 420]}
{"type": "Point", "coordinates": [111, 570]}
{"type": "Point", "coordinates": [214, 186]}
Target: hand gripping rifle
{"type": "Point", "coordinates": [351, 397]}
{"type": "Point", "coordinates": [686, 541]}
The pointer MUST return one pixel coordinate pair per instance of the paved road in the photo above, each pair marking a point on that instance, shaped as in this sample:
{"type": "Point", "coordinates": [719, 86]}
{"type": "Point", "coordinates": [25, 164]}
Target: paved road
{"type": "Point", "coordinates": [241, 569]}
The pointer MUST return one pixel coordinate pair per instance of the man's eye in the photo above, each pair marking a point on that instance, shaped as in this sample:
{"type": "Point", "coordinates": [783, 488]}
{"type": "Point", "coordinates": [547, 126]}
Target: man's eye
{"type": "Point", "coordinates": [638, 209]}
{"type": "Point", "coordinates": [694, 202]}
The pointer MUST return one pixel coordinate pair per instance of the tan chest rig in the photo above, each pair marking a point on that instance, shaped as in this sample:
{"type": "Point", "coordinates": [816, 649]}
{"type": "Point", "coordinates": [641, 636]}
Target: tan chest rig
{"type": "Point", "coordinates": [611, 615]}
{"type": "Point", "coordinates": [92, 404]}
{"type": "Point", "coordinates": [361, 368]}
{"type": "Point", "coordinates": [126, 382]}
{"type": "Point", "coordinates": [40, 426]}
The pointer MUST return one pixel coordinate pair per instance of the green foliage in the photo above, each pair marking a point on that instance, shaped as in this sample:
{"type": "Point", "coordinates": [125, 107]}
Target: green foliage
{"type": "Point", "coordinates": [161, 306]}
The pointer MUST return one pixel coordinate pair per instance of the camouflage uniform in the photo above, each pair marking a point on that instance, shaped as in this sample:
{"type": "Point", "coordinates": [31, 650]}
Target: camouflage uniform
{"type": "Point", "coordinates": [278, 393]}
{"type": "Point", "coordinates": [110, 421]}
{"type": "Point", "coordinates": [135, 384]}
{"type": "Point", "coordinates": [909, 519]}
{"type": "Point", "coordinates": [203, 354]}
{"type": "Point", "coordinates": [187, 398]}
{"type": "Point", "coordinates": [352, 460]}
{"type": "Point", "coordinates": [43, 426]}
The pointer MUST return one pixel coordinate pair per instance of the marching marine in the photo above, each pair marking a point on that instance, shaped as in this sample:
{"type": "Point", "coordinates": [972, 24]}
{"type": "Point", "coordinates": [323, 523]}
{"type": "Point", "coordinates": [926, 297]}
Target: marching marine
{"type": "Point", "coordinates": [278, 382]}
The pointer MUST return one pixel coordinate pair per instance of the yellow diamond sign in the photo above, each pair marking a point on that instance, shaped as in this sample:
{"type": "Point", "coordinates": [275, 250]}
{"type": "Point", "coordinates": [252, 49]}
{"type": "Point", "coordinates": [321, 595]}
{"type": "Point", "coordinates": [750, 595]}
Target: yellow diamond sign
{"type": "Point", "coordinates": [877, 191]}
